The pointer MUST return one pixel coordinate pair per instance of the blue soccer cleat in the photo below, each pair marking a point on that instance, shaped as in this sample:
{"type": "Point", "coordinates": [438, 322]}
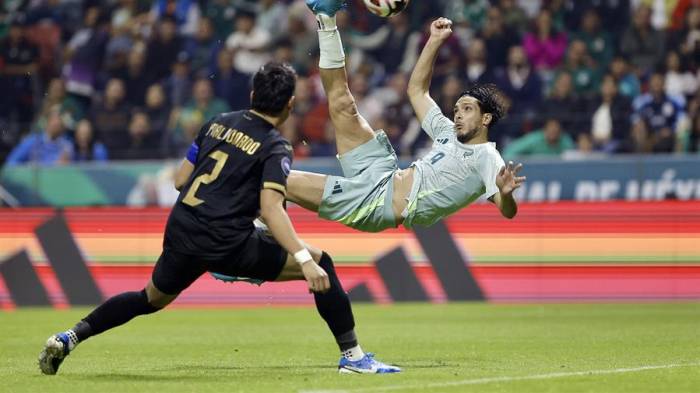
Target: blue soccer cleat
{"type": "Point", "coordinates": [232, 279]}
{"type": "Point", "coordinates": [55, 351]}
{"type": "Point", "coordinates": [328, 7]}
{"type": "Point", "coordinates": [366, 365]}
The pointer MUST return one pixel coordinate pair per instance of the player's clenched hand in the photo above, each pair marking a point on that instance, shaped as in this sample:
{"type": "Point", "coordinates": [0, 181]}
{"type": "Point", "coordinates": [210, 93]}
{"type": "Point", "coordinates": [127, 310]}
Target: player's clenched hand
{"type": "Point", "coordinates": [316, 277]}
{"type": "Point", "coordinates": [508, 179]}
{"type": "Point", "coordinates": [441, 28]}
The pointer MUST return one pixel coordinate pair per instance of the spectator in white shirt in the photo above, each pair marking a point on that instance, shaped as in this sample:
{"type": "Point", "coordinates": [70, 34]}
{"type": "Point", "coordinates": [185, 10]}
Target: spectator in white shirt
{"type": "Point", "coordinates": [249, 44]}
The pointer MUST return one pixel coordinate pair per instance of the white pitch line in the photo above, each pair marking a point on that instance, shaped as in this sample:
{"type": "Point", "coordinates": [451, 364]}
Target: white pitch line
{"type": "Point", "coordinates": [480, 381]}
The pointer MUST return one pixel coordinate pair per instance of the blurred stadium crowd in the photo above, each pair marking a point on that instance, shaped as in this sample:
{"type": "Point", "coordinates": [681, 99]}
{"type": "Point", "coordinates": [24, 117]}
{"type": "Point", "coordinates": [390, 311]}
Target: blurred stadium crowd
{"type": "Point", "coordinates": [133, 79]}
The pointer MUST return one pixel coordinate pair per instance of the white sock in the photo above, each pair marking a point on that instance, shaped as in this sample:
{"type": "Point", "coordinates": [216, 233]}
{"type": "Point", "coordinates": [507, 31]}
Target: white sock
{"type": "Point", "coordinates": [72, 339]}
{"type": "Point", "coordinates": [332, 53]}
{"type": "Point", "coordinates": [354, 354]}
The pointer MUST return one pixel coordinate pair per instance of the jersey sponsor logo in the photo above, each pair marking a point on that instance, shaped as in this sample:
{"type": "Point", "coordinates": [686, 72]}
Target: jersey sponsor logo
{"type": "Point", "coordinates": [468, 153]}
{"type": "Point", "coordinates": [337, 189]}
{"type": "Point", "coordinates": [233, 137]}
{"type": "Point", "coordinates": [286, 165]}
{"type": "Point", "coordinates": [442, 141]}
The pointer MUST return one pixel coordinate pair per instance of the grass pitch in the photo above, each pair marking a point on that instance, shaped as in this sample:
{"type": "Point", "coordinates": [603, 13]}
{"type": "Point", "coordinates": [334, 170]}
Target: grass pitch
{"type": "Point", "coordinates": [443, 348]}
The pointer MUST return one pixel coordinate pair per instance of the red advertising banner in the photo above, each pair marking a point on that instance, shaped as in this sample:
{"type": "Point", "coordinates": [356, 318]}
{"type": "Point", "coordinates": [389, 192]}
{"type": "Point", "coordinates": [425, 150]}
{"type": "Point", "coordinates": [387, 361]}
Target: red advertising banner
{"type": "Point", "coordinates": [558, 252]}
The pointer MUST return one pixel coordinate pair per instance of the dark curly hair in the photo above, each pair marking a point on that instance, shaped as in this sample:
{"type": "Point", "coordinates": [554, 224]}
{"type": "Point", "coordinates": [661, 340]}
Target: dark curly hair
{"type": "Point", "coordinates": [273, 86]}
{"type": "Point", "coordinates": [491, 100]}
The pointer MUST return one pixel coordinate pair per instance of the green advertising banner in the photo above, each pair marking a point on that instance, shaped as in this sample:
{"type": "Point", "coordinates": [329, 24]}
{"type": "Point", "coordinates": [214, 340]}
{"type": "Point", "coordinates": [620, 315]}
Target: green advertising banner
{"type": "Point", "coordinates": [630, 178]}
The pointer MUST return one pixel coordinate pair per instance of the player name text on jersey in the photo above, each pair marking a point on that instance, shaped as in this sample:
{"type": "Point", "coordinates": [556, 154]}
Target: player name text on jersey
{"type": "Point", "coordinates": [234, 137]}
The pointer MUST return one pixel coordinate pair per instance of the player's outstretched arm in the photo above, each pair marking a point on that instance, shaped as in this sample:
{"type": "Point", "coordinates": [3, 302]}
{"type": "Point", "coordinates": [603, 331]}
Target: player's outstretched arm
{"type": "Point", "coordinates": [419, 84]}
{"type": "Point", "coordinates": [273, 213]}
{"type": "Point", "coordinates": [508, 181]}
{"type": "Point", "coordinates": [183, 174]}
{"type": "Point", "coordinates": [187, 167]}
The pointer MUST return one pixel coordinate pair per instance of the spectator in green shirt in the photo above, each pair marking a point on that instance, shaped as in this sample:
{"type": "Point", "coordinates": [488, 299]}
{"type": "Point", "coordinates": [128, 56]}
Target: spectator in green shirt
{"type": "Point", "coordinates": [584, 73]}
{"type": "Point", "coordinates": [627, 81]}
{"type": "Point", "coordinates": [56, 97]}
{"type": "Point", "coordinates": [473, 12]}
{"type": "Point", "coordinates": [202, 107]}
{"type": "Point", "coordinates": [548, 141]}
{"type": "Point", "coordinates": [600, 45]}
{"type": "Point", "coordinates": [690, 140]}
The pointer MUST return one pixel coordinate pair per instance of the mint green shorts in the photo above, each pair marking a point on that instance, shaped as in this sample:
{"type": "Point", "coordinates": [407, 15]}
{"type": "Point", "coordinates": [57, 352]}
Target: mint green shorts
{"type": "Point", "coordinates": [362, 197]}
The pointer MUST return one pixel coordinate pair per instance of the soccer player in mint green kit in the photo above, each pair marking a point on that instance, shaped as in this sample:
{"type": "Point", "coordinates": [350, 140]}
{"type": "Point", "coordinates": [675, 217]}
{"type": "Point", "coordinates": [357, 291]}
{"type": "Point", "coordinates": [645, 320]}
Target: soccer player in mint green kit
{"type": "Point", "coordinates": [375, 194]}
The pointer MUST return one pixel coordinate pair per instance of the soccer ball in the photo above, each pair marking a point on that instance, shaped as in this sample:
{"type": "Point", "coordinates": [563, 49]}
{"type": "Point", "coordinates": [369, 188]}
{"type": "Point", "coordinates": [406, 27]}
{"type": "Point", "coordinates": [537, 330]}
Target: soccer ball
{"type": "Point", "coordinates": [386, 8]}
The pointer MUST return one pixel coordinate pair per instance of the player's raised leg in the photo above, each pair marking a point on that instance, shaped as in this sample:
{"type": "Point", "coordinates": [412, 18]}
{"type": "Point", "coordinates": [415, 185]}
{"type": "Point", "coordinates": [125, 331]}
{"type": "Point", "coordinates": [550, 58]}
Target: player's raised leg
{"type": "Point", "coordinates": [351, 129]}
{"type": "Point", "coordinates": [306, 189]}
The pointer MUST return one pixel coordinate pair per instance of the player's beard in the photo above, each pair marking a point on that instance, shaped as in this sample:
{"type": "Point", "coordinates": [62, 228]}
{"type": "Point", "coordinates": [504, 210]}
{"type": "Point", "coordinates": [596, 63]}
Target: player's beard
{"type": "Point", "coordinates": [467, 136]}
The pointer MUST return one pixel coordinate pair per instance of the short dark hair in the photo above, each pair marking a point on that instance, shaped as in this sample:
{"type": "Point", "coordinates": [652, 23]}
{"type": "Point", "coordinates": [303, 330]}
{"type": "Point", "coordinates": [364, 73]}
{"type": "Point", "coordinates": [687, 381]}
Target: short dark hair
{"type": "Point", "coordinates": [273, 86]}
{"type": "Point", "coordinates": [491, 100]}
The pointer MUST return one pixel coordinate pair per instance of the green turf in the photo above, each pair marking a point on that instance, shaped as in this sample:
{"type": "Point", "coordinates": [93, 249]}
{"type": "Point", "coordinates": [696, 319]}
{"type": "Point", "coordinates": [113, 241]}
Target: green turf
{"type": "Point", "coordinates": [443, 348]}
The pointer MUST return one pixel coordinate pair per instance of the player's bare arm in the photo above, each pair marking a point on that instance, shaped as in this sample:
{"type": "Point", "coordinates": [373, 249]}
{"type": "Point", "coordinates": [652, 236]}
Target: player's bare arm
{"type": "Point", "coordinates": [508, 181]}
{"type": "Point", "coordinates": [277, 220]}
{"type": "Point", "coordinates": [419, 84]}
{"type": "Point", "coordinates": [183, 174]}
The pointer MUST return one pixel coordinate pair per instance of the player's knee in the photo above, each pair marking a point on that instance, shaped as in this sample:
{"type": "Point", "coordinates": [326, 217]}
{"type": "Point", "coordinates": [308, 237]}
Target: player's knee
{"type": "Point", "coordinates": [160, 303]}
{"type": "Point", "coordinates": [326, 262]}
{"type": "Point", "coordinates": [157, 299]}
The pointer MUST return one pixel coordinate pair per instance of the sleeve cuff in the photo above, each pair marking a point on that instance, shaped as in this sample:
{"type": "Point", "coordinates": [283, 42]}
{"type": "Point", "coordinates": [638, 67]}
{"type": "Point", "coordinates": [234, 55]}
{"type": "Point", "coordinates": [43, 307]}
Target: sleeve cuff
{"type": "Point", "coordinates": [275, 186]}
{"type": "Point", "coordinates": [429, 117]}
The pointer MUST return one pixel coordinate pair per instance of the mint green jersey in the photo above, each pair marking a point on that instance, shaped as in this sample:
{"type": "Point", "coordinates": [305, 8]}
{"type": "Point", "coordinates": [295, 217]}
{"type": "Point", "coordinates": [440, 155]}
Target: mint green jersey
{"type": "Point", "coordinates": [451, 175]}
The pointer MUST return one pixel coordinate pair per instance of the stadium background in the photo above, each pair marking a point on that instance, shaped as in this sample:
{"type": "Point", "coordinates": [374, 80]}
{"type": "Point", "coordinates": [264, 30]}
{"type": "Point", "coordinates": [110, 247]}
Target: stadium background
{"type": "Point", "coordinates": [101, 98]}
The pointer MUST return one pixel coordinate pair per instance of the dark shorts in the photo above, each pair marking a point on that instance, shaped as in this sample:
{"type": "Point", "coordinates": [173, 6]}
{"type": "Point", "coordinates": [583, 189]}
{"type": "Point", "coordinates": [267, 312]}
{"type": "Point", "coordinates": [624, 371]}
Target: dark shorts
{"type": "Point", "coordinates": [259, 257]}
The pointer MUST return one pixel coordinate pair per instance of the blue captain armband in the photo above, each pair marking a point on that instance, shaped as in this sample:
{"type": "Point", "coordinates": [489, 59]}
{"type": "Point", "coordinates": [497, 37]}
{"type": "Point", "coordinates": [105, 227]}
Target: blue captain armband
{"type": "Point", "coordinates": [192, 153]}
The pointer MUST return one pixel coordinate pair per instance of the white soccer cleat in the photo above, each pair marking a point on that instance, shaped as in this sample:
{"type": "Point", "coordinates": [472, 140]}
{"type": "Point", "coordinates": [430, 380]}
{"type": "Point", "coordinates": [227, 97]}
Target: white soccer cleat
{"type": "Point", "coordinates": [54, 352]}
{"type": "Point", "coordinates": [366, 365]}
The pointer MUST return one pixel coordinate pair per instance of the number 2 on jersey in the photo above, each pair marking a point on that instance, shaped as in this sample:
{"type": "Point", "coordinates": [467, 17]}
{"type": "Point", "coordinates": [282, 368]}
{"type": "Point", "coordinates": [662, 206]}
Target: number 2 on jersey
{"type": "Point", "coordinates": [206, 178]}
